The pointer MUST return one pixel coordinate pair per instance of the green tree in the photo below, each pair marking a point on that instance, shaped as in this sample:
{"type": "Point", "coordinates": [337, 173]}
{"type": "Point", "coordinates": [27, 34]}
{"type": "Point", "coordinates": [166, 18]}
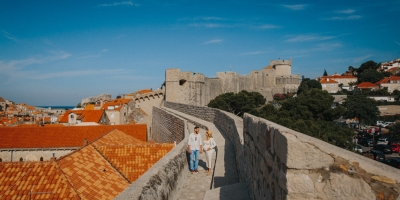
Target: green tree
{"type": "Point", "coordinates": [367, 65]}
{"type": "Point", "coordinates": [361, 107]}
{"type": "Point", "coordinates": [325, 73]}
{"type": "Point", "coordinates": [394, 131]}
{"type": "Point", "coordinates": [370, 75]}
{"type": "Point", "coordinates": [307, 84]}
{"type": "Point", "coordinates": [78, 105]}
{"type": "Point", "coordinates": [239, 103]}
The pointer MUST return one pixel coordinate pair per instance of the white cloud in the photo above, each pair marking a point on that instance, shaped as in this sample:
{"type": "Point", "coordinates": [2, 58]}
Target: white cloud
{"type": "Point", "coordinates": [252, 53]}
{"type": "Point", "coordinates": [308, 38]}
{"type": "Point", "coordinates": [76, 73]}
{"type": "Point", "coordinates": [348, 11]}
{"type": "Point", "coordinates": [351, 17]}
{"type": "Point", "coordinates": [213, 41]}
{"type": "Point", "coordinates": [17, 68]}
{"type": "Point", "coordinates": [295, 7]}
{"type": "Point", "coordinates": [124, 3]}
{"type": "Point", "coordinates": [361, 58]}
{"type": "Point", "coordinates": [268, 26]}
{"type": "Point", "coordinates": [10, 37]}
{"type": "Point", "coordinates": [397, 42]}
{"type": "Point", "coordinates": [210, 25]}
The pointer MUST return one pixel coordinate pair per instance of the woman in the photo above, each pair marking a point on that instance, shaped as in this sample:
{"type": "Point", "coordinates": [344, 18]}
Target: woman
{"type": "Point", "coordinates": [208, 147]}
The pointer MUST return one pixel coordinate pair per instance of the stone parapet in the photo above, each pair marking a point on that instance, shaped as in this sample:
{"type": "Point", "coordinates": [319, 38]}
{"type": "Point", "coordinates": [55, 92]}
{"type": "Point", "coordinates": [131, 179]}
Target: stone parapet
{"type": "Point", "coordinates": [284, 164]}
{"type": "Point", "coordinates": [279, 163]}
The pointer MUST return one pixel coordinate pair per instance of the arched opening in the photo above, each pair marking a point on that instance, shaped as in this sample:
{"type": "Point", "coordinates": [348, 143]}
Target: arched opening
{"type": "Point", "coordinates": [21, 159]}
{"type": "Point", "coordinates": [41, 158]}
{"type": "Point", "coordinates": [1, 160]}
{"type": "Point", "coordinates": [182, 81]}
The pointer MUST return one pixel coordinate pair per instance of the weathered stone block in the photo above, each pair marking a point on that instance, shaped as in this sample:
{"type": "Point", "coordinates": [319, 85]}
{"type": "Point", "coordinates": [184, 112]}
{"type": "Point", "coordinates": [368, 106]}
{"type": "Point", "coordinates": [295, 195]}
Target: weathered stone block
{"type": "Point", "coordinates": [341, 186]}
{"type": "Point", "coordinates": [299, 155]}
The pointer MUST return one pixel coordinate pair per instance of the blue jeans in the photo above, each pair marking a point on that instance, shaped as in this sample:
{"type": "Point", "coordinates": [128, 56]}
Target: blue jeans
{"type": "Point", "coordinates": [194, 159]}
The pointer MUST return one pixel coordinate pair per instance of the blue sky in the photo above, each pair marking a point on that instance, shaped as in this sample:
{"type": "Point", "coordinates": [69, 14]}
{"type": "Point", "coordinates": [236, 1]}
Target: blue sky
{"type": "Point", "coordinates": [58, 52]}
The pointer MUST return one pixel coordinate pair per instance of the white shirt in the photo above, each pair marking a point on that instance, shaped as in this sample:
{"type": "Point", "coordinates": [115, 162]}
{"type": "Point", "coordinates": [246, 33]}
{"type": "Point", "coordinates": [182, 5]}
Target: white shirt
{"type": "Point", "coordinates": [195, 141]}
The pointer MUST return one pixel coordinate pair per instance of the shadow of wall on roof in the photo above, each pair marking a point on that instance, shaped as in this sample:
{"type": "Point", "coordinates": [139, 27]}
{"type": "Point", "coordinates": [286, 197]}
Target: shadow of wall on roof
{"type": "Point", "coordinates": [165, 178]}
{"type": "Point", "coordinates": [279, 163]}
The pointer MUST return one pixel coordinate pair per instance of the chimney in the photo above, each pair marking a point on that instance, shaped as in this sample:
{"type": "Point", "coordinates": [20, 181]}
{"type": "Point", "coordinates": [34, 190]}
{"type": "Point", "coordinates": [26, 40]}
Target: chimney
{"type": "Point", "coordinates": [85, 142]}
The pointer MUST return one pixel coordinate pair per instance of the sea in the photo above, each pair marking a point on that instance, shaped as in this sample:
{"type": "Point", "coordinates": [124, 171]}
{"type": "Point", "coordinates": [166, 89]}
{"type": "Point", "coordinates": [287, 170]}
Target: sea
{"type": "Point", "coordinates": [58, 107]}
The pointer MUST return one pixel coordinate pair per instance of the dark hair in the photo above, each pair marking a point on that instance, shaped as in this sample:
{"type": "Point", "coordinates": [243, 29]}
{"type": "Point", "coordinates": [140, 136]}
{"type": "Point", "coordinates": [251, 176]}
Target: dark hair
{"type": "Point", "coordinates": [196, 127]}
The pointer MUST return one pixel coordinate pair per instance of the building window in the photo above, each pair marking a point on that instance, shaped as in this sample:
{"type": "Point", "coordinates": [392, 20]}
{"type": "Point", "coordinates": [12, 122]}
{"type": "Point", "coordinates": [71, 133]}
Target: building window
{"type": "Point", "coordinates": [1, 160]}
{"type": "Point", "coordinates": [41, 158]}
{"type": "Point", "coordinates": [72, 116]}
{"type": "Point", "coordinates": [182, 81]}
{"type": "Point", "coordinates": [21, 159]}
{"type": "Point", "coordinates": [54, 155]}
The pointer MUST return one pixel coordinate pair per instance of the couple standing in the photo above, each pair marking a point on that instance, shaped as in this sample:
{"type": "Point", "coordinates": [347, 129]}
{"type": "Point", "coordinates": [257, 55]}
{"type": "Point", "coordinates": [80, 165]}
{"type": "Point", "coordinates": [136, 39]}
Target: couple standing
{"type": "Point", "coordinates": [196, 145]}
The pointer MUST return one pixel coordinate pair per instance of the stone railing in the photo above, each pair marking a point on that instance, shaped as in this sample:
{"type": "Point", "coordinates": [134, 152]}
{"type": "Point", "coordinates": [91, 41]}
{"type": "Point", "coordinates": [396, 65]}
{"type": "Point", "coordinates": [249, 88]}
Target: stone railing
{"type": "Point", "coordinates": [164, 179]}
{"type": "Point", "coordinates": [280, 163]}
{"type": "Point", "coordinates": [285, 164]}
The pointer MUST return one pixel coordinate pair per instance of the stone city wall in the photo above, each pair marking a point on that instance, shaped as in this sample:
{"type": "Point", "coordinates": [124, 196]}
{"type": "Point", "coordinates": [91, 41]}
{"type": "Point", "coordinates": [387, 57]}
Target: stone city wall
{"type": "Point", "coordinates": [14, 155]}
{"type": "Point", "coordinates": [279, 163]}
{"type": "Point", "coordinates": [165, 178]}
{"type": "Point", "coordinates": [228, 124]}
{"type": "Point", "coordinates": [166, 127]}
{"type": "Point", "coordinates": [285, 164]}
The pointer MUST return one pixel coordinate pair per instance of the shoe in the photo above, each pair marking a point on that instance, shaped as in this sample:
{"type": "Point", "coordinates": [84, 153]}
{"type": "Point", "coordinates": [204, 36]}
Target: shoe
{"type": "Point", "coordinates": [191, 171]}
{"type": "Point", "coordinates": [197, 171]}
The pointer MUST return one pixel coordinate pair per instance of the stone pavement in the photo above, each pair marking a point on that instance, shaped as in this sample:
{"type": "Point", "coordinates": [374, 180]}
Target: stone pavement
{"type": "Point", "coordinates": [224, 175]}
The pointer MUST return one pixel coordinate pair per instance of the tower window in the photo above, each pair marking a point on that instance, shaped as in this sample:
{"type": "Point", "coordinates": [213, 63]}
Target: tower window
{"type": "Point", "coordinates": [182, 81]}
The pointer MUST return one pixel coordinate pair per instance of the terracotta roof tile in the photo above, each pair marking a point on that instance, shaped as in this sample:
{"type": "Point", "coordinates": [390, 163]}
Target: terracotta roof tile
{"type": "Point", "coordinates": [338, 76]}
{"type": "Point", "coordinates": [84, 115]}
{"type": "Point", "coordinates": [89, 107]}
{"type": "Point", "coordinates": [367, 85]}
{"type": "Point", "coordinates": [44, 179]}
{"type": "Point", "coordinates": [91, 175]}
{"type": "Point", "coordinates": [327, 80]}
{"type": "Point", "coordinates": [134, 160]}
{"type": "Point", "coordinates": [116, 137]}
{"type": "Point", "coordinates": [66, 136]}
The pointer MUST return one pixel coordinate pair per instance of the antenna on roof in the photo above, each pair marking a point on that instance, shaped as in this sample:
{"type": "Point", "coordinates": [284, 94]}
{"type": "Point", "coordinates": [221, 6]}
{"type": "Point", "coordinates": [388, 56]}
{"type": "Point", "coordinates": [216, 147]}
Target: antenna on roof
{"type": "Point", "coordinates": [230, 66]}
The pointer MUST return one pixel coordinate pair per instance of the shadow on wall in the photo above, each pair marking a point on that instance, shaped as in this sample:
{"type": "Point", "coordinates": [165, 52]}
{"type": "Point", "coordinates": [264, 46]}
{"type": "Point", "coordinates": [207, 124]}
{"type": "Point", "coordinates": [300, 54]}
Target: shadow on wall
{"type": "Point", "coordinates": [230, 175]}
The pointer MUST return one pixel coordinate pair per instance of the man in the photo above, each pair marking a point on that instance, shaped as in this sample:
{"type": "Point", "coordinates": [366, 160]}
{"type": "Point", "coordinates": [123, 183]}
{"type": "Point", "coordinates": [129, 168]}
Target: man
{"type": "Point", "coordinates": [195, 144]}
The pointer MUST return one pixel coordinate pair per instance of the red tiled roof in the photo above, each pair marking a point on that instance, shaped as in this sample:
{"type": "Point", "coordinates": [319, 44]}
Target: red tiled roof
{"type": "Point", "coordinates": [367, 85]}
{"type": "Point", "coordinates": [34, 180]}
{"type": "Point", "coordinates": [84, 115]}
{"type": "Point", "coordinates": [116, 104]}
{"type": "Point", "coordinates": [66, 136]}
{"type": "Point", "coordinates": [116, 137]}
{"type": "Point", "coordinates": [91, 175]}
{"type": "Point", "coordinates": [388, 79]}
{"type": "Point", "coordinates": [327, 80]}
{"type": "Point", "coordinates": [143, 91]}
{"type": "Point", "coordinates": [338, 76]}
{"type": "Point", "coordinates": [134, 160]}
{"type": "Point", "coordinates": [89, 107]}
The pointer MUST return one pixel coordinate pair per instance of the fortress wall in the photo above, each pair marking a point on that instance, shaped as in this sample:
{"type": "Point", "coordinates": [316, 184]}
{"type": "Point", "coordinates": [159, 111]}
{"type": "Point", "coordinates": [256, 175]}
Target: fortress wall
{"type": "Point", "coordinates": [184, 87]}
{"type": "Point", "coordinates": [167, 127]}
{"type": "Point", "coordinates": [230, 81]}
{"type": "Point", "coordinates": [7, 155]}
{"type": "Point", "coordinates": [212, 89]}
{"type": "Point", "coordinates": [279, 163]}
{"type": "Point", "coordinates": [147, 103]}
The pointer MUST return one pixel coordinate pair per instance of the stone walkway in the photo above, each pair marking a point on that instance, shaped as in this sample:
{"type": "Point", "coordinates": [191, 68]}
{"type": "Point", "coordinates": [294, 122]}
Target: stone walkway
{"type": "Point", "coordinates": [224, 174]}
